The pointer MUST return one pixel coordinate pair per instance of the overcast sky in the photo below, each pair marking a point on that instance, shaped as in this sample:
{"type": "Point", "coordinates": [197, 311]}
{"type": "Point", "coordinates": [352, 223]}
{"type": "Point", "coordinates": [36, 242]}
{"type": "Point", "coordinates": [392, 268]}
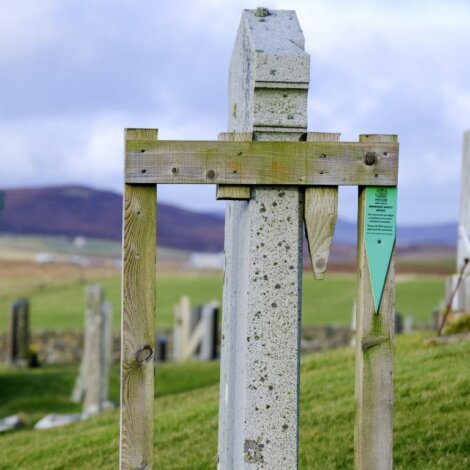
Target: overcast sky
{"type": "Point", "coordinates": [74, 74]}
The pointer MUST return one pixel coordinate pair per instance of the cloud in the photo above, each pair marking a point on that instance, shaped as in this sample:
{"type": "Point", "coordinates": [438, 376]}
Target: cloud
{"type": "Point", "coordinates": [75, 74]}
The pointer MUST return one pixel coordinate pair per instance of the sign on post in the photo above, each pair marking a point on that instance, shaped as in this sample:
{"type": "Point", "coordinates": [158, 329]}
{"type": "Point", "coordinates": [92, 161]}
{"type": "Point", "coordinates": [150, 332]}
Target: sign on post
{"type": "Point", "coordinates": [380, 231]}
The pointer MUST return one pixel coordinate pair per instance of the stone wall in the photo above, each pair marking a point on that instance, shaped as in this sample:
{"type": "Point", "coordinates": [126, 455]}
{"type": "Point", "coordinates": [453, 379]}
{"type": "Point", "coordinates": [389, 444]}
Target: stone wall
{"type": "Point", "coordinates": [66, 347]}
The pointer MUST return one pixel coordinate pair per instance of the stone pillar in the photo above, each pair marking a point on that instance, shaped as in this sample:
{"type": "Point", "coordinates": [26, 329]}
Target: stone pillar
{"type": "Point", "coordinates": [463, 250]}
{"type": "Point", "coordinates": [18, 344]}
{"type": "Point", "coordinates": [259, 392]}
{"type": "Point", "coordinates": [92, 384]}
{"type": "Point", "coordinates": [463, 246]}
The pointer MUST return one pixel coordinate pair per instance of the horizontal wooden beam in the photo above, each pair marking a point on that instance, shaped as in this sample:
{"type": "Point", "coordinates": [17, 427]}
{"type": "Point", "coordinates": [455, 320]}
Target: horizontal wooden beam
{"type": "Point", "coordinates": [261, 163]}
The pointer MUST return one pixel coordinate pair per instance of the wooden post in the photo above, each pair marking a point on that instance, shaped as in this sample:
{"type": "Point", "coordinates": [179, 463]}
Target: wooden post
{"type": "Point", "coordinates": [321, 212]}
{"type": "Point", "coordinates": [258, 410]}
{"type": "Point", "coordinates": [374, 348]}
{"type": "Point", "coordinates": [138, 320]}
{"type": "Point", "coordinates": [19, 334]}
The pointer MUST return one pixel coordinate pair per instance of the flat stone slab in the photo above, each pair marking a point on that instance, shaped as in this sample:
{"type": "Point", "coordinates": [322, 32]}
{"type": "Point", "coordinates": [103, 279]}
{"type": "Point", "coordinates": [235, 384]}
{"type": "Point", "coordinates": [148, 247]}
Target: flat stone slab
{"type": "Point", "coordinates": [11, 422]}
{"type": "Point", "coordinates": [55, 420]}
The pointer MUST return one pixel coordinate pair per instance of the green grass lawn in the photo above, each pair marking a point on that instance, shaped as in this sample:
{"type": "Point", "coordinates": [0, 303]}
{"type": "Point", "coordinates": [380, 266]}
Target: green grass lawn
{"type": "Point", "coordinates": [432, 412]}
{"type": "Point", "coordinates": [324, 302]}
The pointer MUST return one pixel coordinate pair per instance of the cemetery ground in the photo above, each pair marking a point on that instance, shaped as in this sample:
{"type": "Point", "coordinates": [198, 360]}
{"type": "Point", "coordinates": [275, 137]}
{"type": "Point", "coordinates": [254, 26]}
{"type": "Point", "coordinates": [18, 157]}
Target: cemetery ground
{"type": "Point", "coordinates": [56, 294]}
{"type": "Point", "coordinates": [432, 411]}
{"type": "Point", "coordinates": [432, 389]}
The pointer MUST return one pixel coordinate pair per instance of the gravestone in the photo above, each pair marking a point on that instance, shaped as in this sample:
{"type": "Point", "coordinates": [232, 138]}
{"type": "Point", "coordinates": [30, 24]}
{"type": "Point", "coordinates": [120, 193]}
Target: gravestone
{"type": "Point", "coordinates": [91, 385]}
{"type": "Point", "coordinates": [461, 301]}
{"type": "Point", "coordinates": [18, 344]}
{"type": "Point", "coordinates": [195, 331]}
{"type": "Point", "coordinates": [258, 409]}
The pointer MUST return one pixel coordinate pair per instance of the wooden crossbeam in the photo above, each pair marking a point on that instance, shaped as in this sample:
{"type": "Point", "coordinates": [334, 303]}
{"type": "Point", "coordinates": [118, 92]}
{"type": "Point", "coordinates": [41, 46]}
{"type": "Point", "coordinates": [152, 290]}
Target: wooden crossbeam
{"type": "Point", "coordinates": [261, 163]}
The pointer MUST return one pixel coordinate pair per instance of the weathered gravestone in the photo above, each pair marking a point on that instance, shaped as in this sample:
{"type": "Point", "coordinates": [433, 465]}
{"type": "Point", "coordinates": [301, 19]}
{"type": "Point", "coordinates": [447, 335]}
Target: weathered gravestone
{"type": "Point", "coordinates": [195, 332]}
{"type": "Point", "coordinates": [277, 175]}
{"type": "Point", "coordinates": [91, 385]}
{"type": "Point", "coordinates": [461, 301]}
{"type": "Point", "coordinates": [18, 343]}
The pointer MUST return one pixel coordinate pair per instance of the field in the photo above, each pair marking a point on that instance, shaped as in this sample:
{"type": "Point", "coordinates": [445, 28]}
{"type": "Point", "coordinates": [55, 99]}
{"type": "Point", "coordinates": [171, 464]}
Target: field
{"type": "Point", "coordinates": [57, 292]}
{"type": "Point", "coordinates": [432, 399]}
{"type": "Point", "coordinates": [432, 411]}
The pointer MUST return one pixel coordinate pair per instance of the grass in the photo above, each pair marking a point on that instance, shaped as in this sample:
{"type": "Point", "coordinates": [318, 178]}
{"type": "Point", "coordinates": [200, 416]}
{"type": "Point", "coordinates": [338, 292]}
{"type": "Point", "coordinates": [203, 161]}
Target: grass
{"type": "Point", "coordinates": [328, 302]}
{"type": "Point", "coordinates": [432, 411]}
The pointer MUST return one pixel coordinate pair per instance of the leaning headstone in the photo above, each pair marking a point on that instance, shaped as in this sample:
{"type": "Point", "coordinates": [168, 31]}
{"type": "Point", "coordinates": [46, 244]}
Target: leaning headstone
{"type": "Point", "coordinates": [195, 332]}
{"type": "Point", "coordinates": [259, 401]}
{"type": "Point", "coordinates": [18, 344]}
{"type": "Point", "coordinates": [91, 386]}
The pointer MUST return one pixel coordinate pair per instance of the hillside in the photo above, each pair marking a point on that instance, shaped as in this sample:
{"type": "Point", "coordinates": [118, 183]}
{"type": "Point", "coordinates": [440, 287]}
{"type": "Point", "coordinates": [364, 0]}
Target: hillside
{"type": "Point", "coordinates": [431, 413]}
{"type": "Point", "coordinates": [77, 210]}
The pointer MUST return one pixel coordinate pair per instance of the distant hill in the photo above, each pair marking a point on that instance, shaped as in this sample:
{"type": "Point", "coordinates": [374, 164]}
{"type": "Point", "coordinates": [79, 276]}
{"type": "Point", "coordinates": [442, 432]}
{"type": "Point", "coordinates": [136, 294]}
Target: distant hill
{"type": "Point", "coordinates": [78, 210]}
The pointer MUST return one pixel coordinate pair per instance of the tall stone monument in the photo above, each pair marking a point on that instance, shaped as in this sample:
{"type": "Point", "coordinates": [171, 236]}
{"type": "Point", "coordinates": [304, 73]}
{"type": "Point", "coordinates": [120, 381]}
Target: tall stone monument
{"type": "Point", "coordinates": [259, 390]}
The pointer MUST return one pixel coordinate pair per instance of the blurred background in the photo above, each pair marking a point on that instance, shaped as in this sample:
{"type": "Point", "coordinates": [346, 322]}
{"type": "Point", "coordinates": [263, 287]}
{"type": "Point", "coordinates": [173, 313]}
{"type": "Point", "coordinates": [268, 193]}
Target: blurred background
{"type": "Point", "coordinates": [75, 74]}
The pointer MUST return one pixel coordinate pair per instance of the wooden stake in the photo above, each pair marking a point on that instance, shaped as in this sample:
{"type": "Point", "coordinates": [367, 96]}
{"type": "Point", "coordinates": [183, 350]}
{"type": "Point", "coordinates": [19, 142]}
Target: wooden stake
{"type": "Point", "coordinates": [321, 212]}
{"type": "Point", "coordinates": [227, 192]}
{"type": "Point", "coordinates": [138, 321]}
{"type": "Point", "coordinates": [374, 347]}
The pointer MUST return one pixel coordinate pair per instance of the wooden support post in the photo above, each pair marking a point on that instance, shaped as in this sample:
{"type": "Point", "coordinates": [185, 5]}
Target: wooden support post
{"type": "Point", "coordinates": [138, 320]}
{"type": "Point", "coordinates": [374, 347]}
{"type": "Point", "coordinates": [321, 212]}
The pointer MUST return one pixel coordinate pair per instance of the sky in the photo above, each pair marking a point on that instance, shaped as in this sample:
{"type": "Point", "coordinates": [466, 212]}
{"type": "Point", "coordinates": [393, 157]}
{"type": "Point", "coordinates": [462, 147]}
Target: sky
{"type": "Point", "coordinates": [74, 74]}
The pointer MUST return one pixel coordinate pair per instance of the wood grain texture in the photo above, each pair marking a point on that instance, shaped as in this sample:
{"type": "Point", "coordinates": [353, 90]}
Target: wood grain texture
{"type": "Point", "coordinates": [373, 440]}
{"type": "Point", "coordinates": [261, 163]}
{"type": "Point", "coordinates": [225, 192]}
{"type": "Point", "coordinates": [138, 326]}
{"type": "Point", "coordinates": [320, 215]}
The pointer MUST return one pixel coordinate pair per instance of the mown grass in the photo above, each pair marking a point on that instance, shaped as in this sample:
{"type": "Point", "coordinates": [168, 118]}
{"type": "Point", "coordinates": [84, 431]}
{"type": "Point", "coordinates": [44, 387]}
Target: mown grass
{"type": "Point", "coordinates": [327, 302]}
{"type": "Point", "coordinates": [432, 412]}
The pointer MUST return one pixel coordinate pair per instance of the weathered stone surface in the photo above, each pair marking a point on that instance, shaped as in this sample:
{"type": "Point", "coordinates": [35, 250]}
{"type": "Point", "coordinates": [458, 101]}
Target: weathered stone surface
{"type": "Point", "coordinates": [258, 412]}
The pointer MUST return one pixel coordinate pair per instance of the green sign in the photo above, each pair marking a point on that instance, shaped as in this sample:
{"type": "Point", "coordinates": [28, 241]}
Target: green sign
{"type": "Point", "coordinates": [380, 232]}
